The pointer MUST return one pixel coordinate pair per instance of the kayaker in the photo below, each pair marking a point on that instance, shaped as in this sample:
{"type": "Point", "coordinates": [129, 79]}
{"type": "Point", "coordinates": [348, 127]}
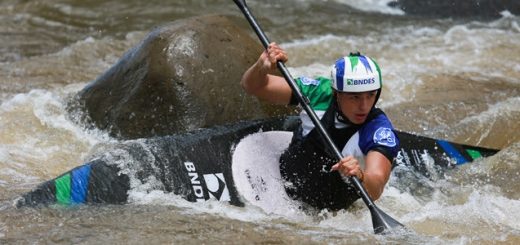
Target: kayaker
{"type": "Point", "coordinates": [345, 102]}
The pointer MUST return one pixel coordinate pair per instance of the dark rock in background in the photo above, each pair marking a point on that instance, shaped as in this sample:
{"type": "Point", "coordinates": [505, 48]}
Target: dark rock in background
{"type": "Point", "coordinates": [183, 76]}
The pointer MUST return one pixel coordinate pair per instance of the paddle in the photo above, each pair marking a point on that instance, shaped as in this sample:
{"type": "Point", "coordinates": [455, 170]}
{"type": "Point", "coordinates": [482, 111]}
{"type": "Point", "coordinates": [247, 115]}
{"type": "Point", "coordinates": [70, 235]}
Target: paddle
{"type": "Point", "coordinates": [381, 221]}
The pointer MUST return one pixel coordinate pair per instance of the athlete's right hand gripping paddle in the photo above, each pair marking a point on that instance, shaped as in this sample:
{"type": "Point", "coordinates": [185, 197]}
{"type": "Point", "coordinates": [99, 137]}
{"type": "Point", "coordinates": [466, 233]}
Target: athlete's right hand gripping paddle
{"type": "Point", "coordinates": [381, 221]}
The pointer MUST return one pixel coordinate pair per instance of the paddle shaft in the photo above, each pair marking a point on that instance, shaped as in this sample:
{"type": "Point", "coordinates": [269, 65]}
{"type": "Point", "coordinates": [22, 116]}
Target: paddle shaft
{"type": "Point", "coordinates": [304, 102]}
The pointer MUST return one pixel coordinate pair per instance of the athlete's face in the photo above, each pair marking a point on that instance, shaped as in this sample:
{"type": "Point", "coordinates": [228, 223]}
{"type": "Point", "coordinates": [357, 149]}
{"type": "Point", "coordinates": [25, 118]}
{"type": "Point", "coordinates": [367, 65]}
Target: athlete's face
{"type": "Point", "coordinates": [356, 106]}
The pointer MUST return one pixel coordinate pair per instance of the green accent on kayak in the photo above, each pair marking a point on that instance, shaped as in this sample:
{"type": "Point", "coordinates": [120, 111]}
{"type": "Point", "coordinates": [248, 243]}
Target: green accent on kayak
{"type": "Point", "coordinates": [474, 154]}
{"type": "Point", "coordinates": [63, 189]}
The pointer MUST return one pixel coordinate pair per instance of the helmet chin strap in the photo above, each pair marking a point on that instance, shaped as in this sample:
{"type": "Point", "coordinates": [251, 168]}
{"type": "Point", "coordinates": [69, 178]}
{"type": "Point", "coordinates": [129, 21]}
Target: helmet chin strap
{"type": "Point", "coordinates": [339, 114]}
{"type": "Point", "coordinates": [377, 98]}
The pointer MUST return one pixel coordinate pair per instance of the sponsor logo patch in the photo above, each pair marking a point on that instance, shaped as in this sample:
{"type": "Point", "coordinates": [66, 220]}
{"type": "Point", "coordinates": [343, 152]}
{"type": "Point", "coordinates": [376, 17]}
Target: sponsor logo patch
{"type": "Point", "coordinates": [217, 186]}
{"type": "Point", "coordinates": [385, 136]}
{"type": "Point", "coordinates": [213, 187]}
{"type": "Point", "coordinates": [360, 81]}
{"type": "Point", "coordinates": [309, 81]}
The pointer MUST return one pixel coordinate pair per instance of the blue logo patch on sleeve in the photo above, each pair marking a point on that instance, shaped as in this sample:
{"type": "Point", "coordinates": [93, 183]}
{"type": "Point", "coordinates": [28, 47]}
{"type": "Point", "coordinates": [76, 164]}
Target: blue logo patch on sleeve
{"type": "Point", "coordinates": [385, 136]}
{"type": "Point", "coordinates": [309, 81]}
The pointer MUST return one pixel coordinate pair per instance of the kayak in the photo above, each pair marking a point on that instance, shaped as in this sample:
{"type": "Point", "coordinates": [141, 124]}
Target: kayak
{"type": "Point", "coordinates": [235, 163]}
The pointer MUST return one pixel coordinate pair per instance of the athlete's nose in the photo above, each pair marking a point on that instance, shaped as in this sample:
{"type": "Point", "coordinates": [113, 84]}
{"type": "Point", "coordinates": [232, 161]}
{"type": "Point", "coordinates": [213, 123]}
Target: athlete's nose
{"type": "Point", "coordinates": [365, 103]}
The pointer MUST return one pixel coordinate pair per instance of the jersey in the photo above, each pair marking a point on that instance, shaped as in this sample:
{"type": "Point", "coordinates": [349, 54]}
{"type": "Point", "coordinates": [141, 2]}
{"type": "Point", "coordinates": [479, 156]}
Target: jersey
{"type": "Point", "coordinates": [306, 163]}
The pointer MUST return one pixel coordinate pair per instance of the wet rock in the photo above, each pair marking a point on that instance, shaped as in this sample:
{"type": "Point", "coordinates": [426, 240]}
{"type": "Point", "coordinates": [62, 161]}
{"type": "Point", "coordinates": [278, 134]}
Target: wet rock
{"type": "Point", "coordinates": [182, 76]}
{"type": "Point", "coordinates": [457, 8]}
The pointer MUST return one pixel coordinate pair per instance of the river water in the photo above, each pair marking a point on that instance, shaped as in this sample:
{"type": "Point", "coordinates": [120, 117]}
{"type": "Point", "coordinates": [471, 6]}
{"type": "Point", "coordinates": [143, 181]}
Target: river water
{"type": "Point", "coordinates": [456, 79]}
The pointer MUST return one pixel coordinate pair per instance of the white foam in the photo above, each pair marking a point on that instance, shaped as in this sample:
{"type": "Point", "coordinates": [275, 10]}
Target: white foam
{"type": "Point", "coordinates": [48, 107]}
{"type": "Point", "coordinates": [484, 120]}
{"type": "Point", "coordinates": [373, 6]}
{"type": "Point", "coordinates": [38, 141]}
{"type": "Point", "coordinates": [409, 53]}
{"type": "Point", "coordinates": [482, 207]}
{"type": "Point", "coordinates": [147, 195]}
{"type": "Point", "coordinates": [4, 154]}
{"type": "Point", "coordinates": [142, 195]}
{"type": "Point", "coordinates": [507, 106]}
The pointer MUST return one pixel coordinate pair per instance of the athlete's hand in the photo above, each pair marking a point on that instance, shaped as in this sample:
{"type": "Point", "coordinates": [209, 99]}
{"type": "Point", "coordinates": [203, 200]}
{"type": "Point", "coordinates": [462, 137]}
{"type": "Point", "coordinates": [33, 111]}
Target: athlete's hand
{"type": "Point", "coordinates": [271, 55]}
{"type": "Point", "coordinates": [349, 166]}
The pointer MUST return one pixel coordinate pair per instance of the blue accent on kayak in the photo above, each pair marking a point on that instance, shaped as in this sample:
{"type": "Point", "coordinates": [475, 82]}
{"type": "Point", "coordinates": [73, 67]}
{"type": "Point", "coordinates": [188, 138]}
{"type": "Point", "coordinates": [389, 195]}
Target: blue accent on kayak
{"type": "Point", "coordinates": [452, 152]}
{"type": "Point", "coordinates": [79, 183]}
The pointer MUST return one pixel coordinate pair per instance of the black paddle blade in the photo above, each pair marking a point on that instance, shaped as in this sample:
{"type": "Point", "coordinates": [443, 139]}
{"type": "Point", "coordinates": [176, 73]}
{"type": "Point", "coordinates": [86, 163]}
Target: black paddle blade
{"type": "Point", "coordinates": [383, 223]}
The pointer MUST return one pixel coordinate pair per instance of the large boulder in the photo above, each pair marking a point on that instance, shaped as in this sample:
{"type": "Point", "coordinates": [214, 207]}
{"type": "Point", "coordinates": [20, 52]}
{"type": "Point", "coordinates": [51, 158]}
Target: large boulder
{"type": "Point", "coordinates": [182, 76]}
{"type": "Point", "coordinates": [458, 8]}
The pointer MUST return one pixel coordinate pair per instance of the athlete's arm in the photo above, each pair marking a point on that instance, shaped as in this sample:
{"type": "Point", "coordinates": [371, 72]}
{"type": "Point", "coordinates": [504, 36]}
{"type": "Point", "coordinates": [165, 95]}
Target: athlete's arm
{"type": "Point", "coordinates": [259, 81]}
{"type": "Point", "coordinates": [376, 173]}
{"type": "Point", "coordinates": [374, 176]}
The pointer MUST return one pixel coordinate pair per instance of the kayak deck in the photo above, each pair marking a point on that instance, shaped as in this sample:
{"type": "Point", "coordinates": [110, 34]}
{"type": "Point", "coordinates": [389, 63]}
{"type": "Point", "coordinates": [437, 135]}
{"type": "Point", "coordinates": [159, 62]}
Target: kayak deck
{"type": "Point", "coordinates": [197, 165]}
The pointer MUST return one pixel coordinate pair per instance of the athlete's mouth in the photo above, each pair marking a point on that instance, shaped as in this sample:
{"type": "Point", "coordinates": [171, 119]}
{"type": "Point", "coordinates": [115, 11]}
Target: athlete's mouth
{"type": "Point", "coordinates": [361, 115]}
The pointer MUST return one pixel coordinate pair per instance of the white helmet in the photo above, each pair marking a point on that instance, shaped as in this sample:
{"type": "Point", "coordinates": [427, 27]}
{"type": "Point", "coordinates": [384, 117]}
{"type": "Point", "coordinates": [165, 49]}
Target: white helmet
{"type": "Point", "coordinates": [356, 73]}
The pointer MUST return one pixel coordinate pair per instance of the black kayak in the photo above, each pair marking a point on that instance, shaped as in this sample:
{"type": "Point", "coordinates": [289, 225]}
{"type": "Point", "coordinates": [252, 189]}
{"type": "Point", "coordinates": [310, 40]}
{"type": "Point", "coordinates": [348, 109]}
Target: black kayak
{"type": "Point", "coordinates": [197, 165]}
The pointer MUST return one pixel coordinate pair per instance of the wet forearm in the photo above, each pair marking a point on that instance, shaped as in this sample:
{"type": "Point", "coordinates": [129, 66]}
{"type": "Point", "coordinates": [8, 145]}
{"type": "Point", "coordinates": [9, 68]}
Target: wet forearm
{"type": "Point", "coordinates": [254, 79]}
{"type": "Point", "coordinates": [374, 184]}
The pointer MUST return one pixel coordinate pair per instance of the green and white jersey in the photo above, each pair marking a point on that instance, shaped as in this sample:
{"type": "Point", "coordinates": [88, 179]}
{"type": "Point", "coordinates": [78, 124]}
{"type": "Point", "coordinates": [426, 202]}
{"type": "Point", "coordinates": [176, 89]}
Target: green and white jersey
{"type": "Point", "coordinates": [320, 94]}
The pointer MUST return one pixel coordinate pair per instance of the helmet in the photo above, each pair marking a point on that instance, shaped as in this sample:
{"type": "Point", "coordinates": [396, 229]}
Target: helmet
{"type": "Point", "coordinates": [356, 73]}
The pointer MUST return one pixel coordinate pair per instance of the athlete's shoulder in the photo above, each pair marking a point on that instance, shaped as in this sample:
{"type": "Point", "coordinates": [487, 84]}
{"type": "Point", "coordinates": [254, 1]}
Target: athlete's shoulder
{"type": "Point", "coordinates": [378, 132]}
{"type": "Point", "coordinates": [318, 90]}
{"type": "Point", "coordinates": [381, 120]}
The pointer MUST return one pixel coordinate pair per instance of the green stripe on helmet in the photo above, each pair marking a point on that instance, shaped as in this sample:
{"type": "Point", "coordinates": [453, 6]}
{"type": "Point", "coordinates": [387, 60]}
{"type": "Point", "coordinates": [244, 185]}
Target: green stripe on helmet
{"type": "Point", "coordinates": [354, 60]}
